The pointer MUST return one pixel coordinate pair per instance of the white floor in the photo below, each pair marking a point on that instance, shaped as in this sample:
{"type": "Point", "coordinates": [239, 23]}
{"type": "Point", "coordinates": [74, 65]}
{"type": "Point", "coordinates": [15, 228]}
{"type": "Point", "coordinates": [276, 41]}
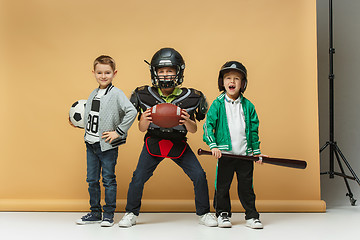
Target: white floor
{"type": "Point", "coordinates": [336, 223]}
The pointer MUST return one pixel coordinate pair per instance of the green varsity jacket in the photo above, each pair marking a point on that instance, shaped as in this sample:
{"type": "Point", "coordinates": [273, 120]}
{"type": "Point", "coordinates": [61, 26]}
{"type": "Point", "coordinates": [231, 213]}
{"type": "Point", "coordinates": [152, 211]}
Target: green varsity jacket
{"type": "Point", "coordinates": [216, 129]}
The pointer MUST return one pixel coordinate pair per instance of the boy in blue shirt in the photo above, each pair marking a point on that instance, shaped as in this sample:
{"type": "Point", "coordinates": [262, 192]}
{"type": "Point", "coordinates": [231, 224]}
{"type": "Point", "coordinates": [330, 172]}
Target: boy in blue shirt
{"type": "Point", "coordinates": [109, 115]}
{"type": "Point", "coordinates": [231, 126]}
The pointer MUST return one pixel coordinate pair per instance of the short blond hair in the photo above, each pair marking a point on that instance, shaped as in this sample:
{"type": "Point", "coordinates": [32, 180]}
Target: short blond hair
{"type": "Point", "coordinates": [104, 59]}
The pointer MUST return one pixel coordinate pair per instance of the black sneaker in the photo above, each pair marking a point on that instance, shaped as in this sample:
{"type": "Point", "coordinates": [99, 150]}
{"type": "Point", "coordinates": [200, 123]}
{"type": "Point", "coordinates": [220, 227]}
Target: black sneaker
{"type": "Point", "coordinates": [224, 221]}
{"type": "Point", "coordinates": [92, 217]}
{"type": "Point", "coordinates": [108, 220]}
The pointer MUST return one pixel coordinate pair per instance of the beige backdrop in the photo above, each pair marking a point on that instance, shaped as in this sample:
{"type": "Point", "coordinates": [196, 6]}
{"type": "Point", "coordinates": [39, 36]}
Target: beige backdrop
{"type": "Point", "coordinates": [47, 50]}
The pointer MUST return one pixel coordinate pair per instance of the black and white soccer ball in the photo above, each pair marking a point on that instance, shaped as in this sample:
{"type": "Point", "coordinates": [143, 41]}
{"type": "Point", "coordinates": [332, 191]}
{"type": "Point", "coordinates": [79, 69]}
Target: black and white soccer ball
{"type": "Point", "coordinates": [77, 112]}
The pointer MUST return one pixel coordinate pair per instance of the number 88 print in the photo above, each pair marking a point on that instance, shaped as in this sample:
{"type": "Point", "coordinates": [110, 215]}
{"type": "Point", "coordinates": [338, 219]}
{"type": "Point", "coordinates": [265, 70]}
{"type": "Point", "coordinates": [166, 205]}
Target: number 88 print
{"type": "Point", "coordinates": [92, 124]}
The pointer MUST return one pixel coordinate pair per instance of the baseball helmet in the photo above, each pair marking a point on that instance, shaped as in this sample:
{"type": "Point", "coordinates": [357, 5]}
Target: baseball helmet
{"type": "Point", "coordinates": [232, 65]}
{"type": "Point", "coordinates": [167, 57]}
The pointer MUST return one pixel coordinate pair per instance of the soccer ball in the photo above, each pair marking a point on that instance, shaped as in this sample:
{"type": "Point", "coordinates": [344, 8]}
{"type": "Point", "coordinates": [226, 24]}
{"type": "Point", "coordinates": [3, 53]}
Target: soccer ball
{"type": "Point", "coordinates": [77, 112]}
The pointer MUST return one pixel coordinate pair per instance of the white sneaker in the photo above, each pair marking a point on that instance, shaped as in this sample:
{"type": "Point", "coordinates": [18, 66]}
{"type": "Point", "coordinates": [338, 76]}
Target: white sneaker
{"type": "Point", "coordinates": [128, 220]}
{"type": "Point", "coordinates": [254, 223]}
{"type": "Point", "coordinates": [224, 221]}
{"type": "Point", "coordinates": [208, 220]}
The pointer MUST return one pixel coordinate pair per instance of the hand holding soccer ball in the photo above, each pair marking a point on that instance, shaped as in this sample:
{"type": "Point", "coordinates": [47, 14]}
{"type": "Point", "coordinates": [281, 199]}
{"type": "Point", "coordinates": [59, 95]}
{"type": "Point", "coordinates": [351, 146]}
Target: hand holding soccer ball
{"type": "Point", "coordinates": [76, 114]}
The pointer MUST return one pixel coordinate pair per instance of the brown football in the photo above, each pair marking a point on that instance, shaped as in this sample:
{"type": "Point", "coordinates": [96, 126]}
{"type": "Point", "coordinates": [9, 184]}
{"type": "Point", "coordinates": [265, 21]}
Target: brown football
{"type": "Point", "coordinates": [166, 115]}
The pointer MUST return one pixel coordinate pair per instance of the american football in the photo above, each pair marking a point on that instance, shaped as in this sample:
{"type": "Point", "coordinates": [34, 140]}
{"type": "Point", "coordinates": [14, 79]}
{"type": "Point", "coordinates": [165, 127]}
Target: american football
{"type": "Point", "coordinates": [166, 115]}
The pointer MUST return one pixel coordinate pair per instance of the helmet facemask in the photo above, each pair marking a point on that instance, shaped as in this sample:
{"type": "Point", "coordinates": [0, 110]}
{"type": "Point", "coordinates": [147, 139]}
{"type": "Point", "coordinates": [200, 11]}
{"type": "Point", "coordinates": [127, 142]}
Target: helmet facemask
{"type": "Point", "coordinates": [166, 81]}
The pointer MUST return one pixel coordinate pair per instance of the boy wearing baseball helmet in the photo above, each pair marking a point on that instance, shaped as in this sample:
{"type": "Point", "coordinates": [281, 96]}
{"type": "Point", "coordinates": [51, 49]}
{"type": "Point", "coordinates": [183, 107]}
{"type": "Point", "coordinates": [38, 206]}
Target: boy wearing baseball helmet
{"type": "Point", "coordinates": [167, 68]}
{"type": "Point", "coordinates": [231, 126]}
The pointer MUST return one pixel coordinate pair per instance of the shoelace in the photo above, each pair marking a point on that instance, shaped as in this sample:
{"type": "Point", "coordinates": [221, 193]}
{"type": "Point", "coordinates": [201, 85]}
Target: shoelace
{"type": "Point", "coordinates": [87, 216]}
{"type": "Point", "coordinates": [128, 216]}
{"type": "Point", "coordinates": [257, 221]}
{"type": "Point", "coordinates": [225, 218]}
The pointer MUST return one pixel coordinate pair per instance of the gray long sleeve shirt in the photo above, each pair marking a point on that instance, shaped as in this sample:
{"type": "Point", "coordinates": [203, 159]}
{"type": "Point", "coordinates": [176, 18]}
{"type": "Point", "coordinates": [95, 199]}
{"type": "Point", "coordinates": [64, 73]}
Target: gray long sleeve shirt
{"type": "Point", "coordinates": [116, 114]}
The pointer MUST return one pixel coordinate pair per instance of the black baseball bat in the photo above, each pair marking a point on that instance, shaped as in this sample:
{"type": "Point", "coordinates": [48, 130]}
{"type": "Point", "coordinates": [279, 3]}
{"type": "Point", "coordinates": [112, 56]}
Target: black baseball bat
{"type": "Point", "coordinates": [270, 160]}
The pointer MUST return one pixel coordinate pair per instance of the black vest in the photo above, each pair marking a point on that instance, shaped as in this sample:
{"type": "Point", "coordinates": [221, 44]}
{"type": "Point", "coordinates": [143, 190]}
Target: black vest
{"type": "Point", "coordinates": [193, 101]}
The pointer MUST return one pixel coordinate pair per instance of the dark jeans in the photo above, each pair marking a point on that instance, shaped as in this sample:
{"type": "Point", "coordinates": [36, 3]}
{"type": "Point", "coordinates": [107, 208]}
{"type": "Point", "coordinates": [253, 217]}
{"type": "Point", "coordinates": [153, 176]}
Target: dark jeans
{"type": "Point", "coordinates": [147, 165]}
{"type": "Point", "coordinates": [98, 161]}
{"type": "Point", "coordinates": [224, 176]}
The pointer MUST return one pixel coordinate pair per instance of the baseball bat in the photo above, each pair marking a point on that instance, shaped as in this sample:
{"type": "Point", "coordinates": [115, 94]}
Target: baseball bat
{"type": "Point", "coordinates": [270, 160]}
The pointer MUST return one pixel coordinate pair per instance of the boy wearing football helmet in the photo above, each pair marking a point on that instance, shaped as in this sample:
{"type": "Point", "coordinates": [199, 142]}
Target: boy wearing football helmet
{"type": "Point", "coordinates": [167, 69]}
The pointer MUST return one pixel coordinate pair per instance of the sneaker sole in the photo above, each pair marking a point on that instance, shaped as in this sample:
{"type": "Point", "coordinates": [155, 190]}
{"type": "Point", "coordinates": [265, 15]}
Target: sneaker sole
{"type": "Point", "coordinates": [87, 222]}
{"type": "Point", "coordinates": [106, 224]}
{"type": "Point", "coordinates": [254, 227]}
{"type": "Point", "coordinates": [225, 226]}
{"type": "Point", "coordinates": [208, 225]}
{"type": "Point", "coordinates": [126, 226]}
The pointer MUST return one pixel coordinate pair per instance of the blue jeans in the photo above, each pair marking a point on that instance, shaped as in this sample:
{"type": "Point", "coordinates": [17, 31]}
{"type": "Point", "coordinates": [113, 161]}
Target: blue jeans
{"type": "Point", "coordinates": [147, 165]}
{"type": "Point", "coordinates": [98, 161]}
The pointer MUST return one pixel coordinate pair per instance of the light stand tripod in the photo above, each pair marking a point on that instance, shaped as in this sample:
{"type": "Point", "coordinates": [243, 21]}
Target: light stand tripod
{"type": "Point", "coordinates": [334, 149]}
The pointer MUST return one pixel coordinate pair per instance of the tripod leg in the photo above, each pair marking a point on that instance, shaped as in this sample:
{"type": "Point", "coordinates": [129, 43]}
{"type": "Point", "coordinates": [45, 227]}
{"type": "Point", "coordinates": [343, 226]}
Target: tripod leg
{"type": "Point", "coordinates": [322, 149]}
{"type": "Point", "coordinates": [325, 145]}
{"type": "Point", "coordinates": [347, 164]}
{"type": "Point", "coordinates": [349, 194]}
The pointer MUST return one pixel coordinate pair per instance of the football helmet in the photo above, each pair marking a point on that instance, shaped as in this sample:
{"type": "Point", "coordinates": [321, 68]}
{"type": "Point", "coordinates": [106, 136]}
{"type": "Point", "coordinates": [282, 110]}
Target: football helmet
{"type": "Point", "coordinates": [167, 57]}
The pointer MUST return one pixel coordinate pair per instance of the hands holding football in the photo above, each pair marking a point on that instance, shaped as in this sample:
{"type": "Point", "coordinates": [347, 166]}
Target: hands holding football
{"type": "Point", "coordinates": [165, 115]}
{"type": "Point", "coordinates": [185, 116]}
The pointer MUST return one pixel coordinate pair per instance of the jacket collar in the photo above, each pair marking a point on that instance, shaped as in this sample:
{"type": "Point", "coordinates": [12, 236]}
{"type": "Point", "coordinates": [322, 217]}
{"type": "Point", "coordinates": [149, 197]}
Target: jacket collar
{"type": "Point", "coordinates": [223, 94]}
{"type": "Point", "coordinates": [229, 100]}
{"type": "Point", "coordinates": [108, 88]}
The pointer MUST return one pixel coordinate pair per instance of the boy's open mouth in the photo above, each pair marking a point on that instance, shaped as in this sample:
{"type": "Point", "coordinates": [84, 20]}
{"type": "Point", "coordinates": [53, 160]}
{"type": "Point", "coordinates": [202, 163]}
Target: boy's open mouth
{"type": "Point", "coordinates": [231, 87]}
